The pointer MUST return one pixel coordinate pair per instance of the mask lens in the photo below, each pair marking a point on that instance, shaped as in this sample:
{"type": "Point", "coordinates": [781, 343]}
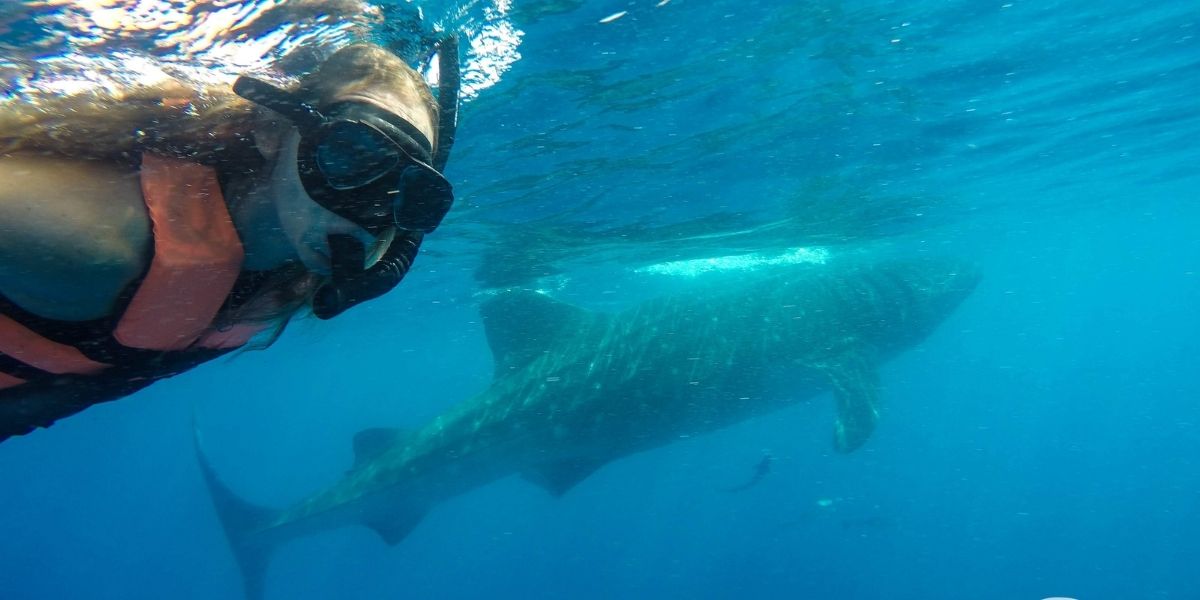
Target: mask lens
{"type": "Point", "coordinates": [351, 155]}
{"type": "Point", "coordinates": [426, 200]}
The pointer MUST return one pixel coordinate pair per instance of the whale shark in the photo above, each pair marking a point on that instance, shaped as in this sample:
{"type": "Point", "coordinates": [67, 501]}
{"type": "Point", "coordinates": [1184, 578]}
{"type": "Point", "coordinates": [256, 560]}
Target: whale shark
{"type": "Point", "coordinates": [576, 389]}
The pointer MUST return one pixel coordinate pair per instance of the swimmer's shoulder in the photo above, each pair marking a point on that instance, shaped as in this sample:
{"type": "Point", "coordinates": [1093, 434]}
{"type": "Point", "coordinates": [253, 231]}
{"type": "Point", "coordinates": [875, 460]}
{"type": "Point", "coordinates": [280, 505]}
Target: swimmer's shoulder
{"type": "Point", "coordinates": [76, 233]}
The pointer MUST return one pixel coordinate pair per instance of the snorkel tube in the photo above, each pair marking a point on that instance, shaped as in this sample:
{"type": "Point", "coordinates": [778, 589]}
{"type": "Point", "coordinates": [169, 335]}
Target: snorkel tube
{"type": "Point", "coordinates": [449, 82]}
{"type": "Point", "coordinates": [352, 284]}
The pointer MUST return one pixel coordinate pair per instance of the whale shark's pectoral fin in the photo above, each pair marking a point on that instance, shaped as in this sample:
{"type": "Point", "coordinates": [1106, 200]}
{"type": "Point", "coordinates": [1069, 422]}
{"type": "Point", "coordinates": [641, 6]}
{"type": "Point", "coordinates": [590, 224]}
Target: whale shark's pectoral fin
{"type": "Point", "coordinates": [560, 476]}
{"type": "Point", "coordinates": [396, 525]}
{"type": "Point", "coordinates": [855, 380]}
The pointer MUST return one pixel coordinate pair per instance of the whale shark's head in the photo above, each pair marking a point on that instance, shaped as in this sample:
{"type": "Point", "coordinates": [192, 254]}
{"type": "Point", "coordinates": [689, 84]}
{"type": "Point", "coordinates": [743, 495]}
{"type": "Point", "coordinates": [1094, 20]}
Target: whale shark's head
{"type": "Point", "coordinates": [921, 293]}
{"type": "Point", "coordinates": [944, 283]}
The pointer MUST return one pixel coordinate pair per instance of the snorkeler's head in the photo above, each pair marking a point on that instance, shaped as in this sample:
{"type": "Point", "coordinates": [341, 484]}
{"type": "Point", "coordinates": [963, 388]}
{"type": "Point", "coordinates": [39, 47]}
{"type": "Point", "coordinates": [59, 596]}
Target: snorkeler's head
{"type": "Point", "coordinates": [369, 152]}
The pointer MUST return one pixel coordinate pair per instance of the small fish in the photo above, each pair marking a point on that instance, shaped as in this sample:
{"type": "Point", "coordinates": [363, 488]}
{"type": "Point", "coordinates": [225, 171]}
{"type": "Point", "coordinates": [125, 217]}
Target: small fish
{"type": "Point", "coordinates": [613, 17]}
{"type": "Point", "coordinates": [760, 471]}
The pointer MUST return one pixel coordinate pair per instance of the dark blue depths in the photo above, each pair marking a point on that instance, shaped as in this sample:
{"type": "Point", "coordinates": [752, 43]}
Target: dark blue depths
{"type": "Point", "coordinates": [1040, 443]}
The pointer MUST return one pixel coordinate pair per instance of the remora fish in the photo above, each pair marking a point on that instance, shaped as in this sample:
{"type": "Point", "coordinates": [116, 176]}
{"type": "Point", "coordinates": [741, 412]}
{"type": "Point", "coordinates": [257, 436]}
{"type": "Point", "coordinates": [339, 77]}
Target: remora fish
{"type": "Point", "coordinates": [575, 390]}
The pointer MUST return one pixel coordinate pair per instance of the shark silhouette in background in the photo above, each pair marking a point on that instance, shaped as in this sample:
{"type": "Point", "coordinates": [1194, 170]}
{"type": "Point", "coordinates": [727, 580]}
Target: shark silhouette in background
{"type": "Point", "coordinates": [575, 390]}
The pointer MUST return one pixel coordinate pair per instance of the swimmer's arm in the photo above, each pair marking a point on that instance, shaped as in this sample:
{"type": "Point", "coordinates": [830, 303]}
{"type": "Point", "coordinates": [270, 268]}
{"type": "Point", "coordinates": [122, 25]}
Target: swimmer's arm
{"type": "Point", "coordinates": [73, 235]}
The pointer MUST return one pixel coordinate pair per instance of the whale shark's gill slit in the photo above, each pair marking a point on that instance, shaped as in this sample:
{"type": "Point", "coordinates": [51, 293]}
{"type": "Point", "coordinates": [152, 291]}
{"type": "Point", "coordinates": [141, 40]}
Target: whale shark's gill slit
{"type": "Point", "coordinates": [896, 287]}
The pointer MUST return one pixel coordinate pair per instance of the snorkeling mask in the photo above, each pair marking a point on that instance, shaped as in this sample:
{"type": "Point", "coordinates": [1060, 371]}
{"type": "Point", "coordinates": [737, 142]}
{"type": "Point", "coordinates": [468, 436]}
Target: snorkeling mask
{"type": "Point", "coordinates": [361, 162]}
{"type": "Point", "coordinates": [374, 169]}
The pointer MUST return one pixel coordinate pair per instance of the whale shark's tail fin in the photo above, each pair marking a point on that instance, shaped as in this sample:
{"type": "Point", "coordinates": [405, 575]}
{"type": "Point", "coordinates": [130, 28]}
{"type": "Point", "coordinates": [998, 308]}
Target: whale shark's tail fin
{"type": "Point", "coordinates": [243, 524]}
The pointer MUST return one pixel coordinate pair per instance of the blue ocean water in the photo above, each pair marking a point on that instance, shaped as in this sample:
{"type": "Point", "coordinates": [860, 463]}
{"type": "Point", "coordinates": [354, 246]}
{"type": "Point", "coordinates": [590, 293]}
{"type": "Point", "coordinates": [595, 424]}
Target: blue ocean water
{"type": "Point", "coordinates": [1040, 443]}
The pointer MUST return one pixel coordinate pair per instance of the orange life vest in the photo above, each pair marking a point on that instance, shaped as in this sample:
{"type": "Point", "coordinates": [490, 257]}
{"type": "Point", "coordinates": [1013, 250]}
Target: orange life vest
{"type": "Point", "coordinates": [197, 260]}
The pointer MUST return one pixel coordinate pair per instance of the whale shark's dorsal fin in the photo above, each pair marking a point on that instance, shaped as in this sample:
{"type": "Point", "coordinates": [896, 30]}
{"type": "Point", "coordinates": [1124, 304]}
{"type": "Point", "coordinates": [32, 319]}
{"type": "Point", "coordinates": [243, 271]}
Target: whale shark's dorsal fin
{"type": "Point", "coordinates": [521, 325]}
{"type": "Point", "coordinates": [373, 441]}
{"type": "Point", "coordinates": [560, 476]}
{"type": "Point", "coordinates": [855, 379]}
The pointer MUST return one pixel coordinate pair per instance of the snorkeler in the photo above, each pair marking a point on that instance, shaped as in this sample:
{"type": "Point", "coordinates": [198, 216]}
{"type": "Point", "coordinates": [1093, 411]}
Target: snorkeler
{"type": "Point", "coordinates": [126, 258]}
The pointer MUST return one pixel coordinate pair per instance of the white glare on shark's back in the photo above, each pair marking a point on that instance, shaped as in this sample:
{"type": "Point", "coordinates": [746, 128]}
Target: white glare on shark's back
{"type": "Point", "coordinates": [740, 262]}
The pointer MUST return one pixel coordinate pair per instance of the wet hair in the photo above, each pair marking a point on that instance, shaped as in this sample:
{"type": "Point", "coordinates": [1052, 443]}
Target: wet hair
{"type": "Point", "coordinates": [176, 114]}
{"type": "Point", "coordinates": [170, 115]}
{"type": "Point", "coordinates": [280, 295]}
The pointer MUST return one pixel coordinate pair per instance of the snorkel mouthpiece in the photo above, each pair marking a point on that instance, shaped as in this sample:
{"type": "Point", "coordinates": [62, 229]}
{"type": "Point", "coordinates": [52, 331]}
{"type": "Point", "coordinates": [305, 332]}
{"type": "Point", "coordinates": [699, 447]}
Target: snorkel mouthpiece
{"type": "Point", "coordinates": [351, 284]}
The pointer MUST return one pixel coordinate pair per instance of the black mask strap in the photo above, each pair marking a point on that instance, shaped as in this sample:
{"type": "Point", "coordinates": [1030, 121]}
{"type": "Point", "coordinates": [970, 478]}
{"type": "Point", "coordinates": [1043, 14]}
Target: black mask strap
{"type": "Point", "coordinates": [300, 113]}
